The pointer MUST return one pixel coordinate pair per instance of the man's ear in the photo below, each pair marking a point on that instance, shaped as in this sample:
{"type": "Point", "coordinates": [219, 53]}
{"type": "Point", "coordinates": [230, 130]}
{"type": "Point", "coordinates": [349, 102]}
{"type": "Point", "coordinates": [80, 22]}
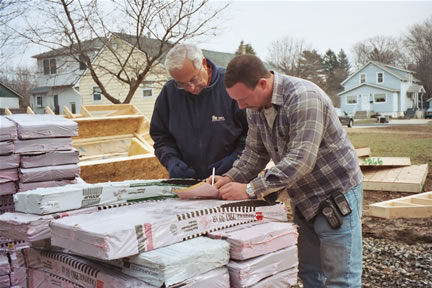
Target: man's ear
{"type": "Point", "coordinates": [262, 82]}
{"type": "Point", "coordinates": [204, 62]}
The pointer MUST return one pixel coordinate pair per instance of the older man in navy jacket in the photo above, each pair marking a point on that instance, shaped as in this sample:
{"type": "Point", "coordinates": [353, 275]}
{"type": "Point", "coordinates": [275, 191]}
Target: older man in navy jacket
{"type": "Point", "coordinates": [195, 125]}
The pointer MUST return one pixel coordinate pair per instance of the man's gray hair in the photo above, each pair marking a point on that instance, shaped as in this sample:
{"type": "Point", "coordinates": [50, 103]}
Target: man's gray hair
{"type": "Point", "coordinates": [177, 56]}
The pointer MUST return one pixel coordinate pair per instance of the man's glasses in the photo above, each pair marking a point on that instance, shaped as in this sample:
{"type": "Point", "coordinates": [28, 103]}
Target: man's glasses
{"type": "Point", "coordinates": [195, 81]}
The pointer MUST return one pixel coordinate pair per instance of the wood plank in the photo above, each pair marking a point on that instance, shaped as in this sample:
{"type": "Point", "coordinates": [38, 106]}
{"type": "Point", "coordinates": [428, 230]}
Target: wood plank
{"type": "Point", "coordinates": [398, 179]}
{"type": "Point", "coordinates": [48, 110]}
{"type": "Point", "coordinates": [124, 168]}
{"type": "Point", "coordinates": [30, 111]}
{"type": "Point", "coordinates": [106, 107]}
{"type": "Point", "coordinates": [108, 126]}
{"type": "Point", "coordinates": [85, 112]}
{"type": "Point", "coordinates": [385, 161]}
{"type": "Point", "coordinates": [415, 206]}
{"type": "Point", "coordinates": [68, 113]}
{"type": "Point", "coordinates": [7, 111]}
{"type": "Point", "coordinates": [137, 147]}
{"type": "Point", "coordinates": [149, 146]}
{"type": "Point", "coordinates": [363, 151]}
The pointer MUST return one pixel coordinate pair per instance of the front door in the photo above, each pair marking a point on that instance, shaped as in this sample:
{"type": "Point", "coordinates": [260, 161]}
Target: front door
{"type": "Point", "coordinates": [365, 105]}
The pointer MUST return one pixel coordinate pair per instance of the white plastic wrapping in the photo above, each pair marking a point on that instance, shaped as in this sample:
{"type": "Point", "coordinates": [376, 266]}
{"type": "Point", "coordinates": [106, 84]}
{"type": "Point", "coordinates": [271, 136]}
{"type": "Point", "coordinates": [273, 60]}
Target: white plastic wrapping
{"type": "Point", "coordinates": [216, 278]}
{"type": "Point", "coordinates": [178, 262]}
{"type": "Point", "coordinates": [254, 239]}
{"type": "Point", "coordinates": [42, 145]}
{"type": "Point", "coordinates": [9, 161]}
{"type": "Point", "coordinates": [43, 126]}
{"type": "Point", "coordinates": [45, 184]}
{"type": "Point", "coordinates": [49, 158]}
{"type": "Point", "coordinates": [31, 227]}
{"type": "Point", "coordinates": [8, 188]}
{"type": "Point", "coordinates": [81, 195]}
{"type": "Point", "coordinates": [147, 226]}
{"type": "Point", "coordinates": [283, 279]}
{"type": "Point", "coordinates": [78, 270]}
{"type": "Point", "coordinates": [8, 175]}
{"type": "Point", "coordinates": [8, 129]}
{"type": "Point", "coordinates": [6, 147]}
{"type": "Point", "coordinates": [49, 173]}
{"type": "Point", "coordinates": [248, 272]}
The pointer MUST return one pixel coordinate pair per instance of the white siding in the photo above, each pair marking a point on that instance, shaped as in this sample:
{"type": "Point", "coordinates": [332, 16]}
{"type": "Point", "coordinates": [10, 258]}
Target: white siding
{"type": "Point", "coordinates": [9, 102]}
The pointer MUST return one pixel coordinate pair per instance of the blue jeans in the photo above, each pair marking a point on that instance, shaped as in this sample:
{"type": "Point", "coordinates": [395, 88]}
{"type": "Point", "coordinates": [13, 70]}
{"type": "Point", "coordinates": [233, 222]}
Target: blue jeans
{"type": "Point", "coordinates": [332, 257]}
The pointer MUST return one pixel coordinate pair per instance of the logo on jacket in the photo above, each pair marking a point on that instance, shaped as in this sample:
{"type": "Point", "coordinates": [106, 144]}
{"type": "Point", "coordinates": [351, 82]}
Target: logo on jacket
{"type": "Point", "coordinates": [218, 118]}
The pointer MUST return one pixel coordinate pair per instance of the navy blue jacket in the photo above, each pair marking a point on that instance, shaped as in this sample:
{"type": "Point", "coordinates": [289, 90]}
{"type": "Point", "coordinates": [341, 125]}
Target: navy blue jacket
{"type": "Point", "coordinates": [198, 129]}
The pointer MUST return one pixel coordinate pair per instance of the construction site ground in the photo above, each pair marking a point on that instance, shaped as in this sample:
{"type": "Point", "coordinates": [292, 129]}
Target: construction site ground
{"type": "Point", "coordinates": [395, 250]}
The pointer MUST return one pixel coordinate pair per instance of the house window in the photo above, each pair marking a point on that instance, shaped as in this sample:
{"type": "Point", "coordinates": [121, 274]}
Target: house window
{"type": "Point", "coordinates": [49, 66]}
{"type": "Point", "coordinates": [351, 99]}
{"type": "Point", "coordinates": [147, 89]}
{"type": "Point", "coordinates": [97, 94]}
{"type": "Point", "coordinates": [380, 77]}
{"type": "Point", "coordinates": [379, 98]}
{"type": "Point", "coordinates": [82, 65]}
{"type": "Point", "coordinates": [39, 101]}
{"type": "Point", "coordinates": [362, 78]}
{"type": "Point", "coordinates": [73, 107]}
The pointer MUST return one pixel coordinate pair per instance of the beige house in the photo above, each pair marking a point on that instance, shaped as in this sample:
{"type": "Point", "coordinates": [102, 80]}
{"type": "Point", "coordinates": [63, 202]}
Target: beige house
{"type": "Point", "coordinates": [144, 97]}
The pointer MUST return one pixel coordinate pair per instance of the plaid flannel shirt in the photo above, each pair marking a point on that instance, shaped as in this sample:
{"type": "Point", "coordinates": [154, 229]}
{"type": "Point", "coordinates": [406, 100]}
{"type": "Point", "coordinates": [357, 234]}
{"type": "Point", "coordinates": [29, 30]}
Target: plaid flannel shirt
{"type": "Point", "coordinates": [312, 153]}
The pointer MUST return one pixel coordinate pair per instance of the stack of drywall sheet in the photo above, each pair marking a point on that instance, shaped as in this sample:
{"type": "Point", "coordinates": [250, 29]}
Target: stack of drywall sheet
{"type": "Point", "coordinates": [31, 227]}
{"type": "Point", "coordinates": [255, 239]}
{"type": "Point", "coordinates": [144, 227]}
{"type": "Point", "coordinates": [216, 278]}
{"type": "Point", "coordinates": [4, 271]}
{"type": "Point", "coordinates": [178, 262]}
{"type": "Point", "coordinates": [8, 164]}
{"type": "Point", "coordinates": [79, 271]}
{"type": "Point", "coordinates": [249, 272]}
{"type": "Point", "coordinates": [257, 246]}
{"type": "Point", "coordinates": [76, 196]}
{"type": "Point", "coordinates": [39, 135]}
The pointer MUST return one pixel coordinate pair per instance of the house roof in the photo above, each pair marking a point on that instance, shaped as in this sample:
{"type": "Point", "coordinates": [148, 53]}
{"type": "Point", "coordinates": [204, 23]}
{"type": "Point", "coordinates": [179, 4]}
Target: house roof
{"type": "Point", "coordinates": [8, 92]}
{"type": "Point", "coordinates": [385, 67]}
{"type": "Point", "coordinates": [370, 85]}
{"type": "Point", "coordinates": [414, 88]}
{"type": "Point", "coordinates": [89, 45]}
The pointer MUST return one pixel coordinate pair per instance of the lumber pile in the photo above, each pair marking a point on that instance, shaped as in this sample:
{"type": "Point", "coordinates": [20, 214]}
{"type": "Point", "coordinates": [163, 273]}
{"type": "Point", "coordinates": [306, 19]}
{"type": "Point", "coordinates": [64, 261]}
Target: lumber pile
{"type": "Point", "coordinates": [398, 175]}
{"type": "Point", "coordinates": [391, 173]}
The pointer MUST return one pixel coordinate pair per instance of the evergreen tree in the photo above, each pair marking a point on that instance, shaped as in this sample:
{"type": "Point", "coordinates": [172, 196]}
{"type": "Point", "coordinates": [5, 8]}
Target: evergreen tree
{"type": "Point", "coordinates": [343, 62]}
{"type": "Point", "coordinates": [330, 61]}
{"type": "Point", "coordinates": [244, 49]}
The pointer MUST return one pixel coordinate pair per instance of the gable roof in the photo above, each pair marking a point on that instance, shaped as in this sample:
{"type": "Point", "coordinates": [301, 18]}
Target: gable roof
{"type": "Point", "coordinates": [88, 45]}
{"type": "Point", "coordinates": [6, 91]}
{"type": "Point", "coordinates": [370, 85]}
{"type": "Point", "coordinates": [385, 67]}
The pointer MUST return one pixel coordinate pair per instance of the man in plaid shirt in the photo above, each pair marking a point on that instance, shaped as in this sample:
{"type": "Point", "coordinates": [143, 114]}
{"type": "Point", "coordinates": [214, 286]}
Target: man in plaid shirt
{"type": "Point", "coordinates": [293, 122]}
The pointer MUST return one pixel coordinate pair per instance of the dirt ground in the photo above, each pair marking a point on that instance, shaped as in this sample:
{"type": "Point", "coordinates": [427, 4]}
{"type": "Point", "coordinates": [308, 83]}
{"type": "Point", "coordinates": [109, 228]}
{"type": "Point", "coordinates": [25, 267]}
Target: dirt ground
{"type": "Point", "coordinates": [410, 231]}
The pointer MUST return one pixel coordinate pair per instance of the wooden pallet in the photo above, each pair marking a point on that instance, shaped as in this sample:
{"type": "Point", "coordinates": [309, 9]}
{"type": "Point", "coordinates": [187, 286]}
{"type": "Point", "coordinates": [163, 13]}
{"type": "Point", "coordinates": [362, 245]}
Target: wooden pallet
{"type": "Point", "coordinates": [416, 206]}
{"type": "Point", "coordinates": [398, 179]}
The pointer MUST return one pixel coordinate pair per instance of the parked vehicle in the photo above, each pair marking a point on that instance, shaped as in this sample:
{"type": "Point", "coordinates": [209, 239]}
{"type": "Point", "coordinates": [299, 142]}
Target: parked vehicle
{"type": "Point", "coordinates": [428, 113]}
{"type": "Point", "coordinates": [344, 118]}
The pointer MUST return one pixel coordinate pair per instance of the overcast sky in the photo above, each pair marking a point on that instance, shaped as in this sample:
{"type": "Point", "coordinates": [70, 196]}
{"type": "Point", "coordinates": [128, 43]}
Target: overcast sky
{"type": "Point", "coordinates": [322, 24]}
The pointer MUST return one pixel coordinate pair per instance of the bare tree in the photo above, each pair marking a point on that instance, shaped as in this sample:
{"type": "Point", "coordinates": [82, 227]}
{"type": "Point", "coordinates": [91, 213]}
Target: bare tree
{"type": "Point", "coordinates": [22, 80]}
{"type": "Point", "coordinates": [151, 26]}
{"type": "Point", "coordinates": [285, 53]}
{"type": "Point", "coordinates": [383, 49]}
{"type": "Point", "coordinates": [419, 44]}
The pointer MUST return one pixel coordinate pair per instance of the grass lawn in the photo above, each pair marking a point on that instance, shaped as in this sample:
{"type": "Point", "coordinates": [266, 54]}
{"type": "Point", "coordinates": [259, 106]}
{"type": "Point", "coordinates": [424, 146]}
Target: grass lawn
{"type": "Point", "coordinates": [414, 141]}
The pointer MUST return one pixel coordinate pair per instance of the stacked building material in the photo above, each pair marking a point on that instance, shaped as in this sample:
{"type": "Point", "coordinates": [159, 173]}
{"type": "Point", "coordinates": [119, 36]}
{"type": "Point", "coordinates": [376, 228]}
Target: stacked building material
{"type": "Point", "coordinates": [147, 226]}
{"type": "Point", "coordinates": [174, 264]}
{"type": "Point", "coordinates": [262, 254]}
{"type": "Point", "coordinates": [8, 262]}
{"type": "Point", "coordinates": [45, 145]}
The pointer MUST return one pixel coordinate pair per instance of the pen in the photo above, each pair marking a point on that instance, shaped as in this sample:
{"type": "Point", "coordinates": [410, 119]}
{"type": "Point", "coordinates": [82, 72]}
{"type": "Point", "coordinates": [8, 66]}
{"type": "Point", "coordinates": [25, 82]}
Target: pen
{"type": "Point", "coordinates": [213, 174]}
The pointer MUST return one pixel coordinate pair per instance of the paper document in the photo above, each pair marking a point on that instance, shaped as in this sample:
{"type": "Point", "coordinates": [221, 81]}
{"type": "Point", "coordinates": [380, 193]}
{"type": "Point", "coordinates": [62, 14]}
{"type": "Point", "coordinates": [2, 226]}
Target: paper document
{"type": "Point", "coordinates": [200, 190]}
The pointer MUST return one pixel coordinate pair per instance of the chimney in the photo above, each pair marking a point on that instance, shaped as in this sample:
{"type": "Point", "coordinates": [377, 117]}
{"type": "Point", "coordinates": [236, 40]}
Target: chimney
{"type": "Point", "coordinates": [242, 48]}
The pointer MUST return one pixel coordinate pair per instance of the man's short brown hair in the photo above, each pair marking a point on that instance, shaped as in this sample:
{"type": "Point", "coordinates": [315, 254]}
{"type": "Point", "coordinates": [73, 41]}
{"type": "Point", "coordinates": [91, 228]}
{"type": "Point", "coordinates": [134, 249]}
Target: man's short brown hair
{"type": "Point", "coordinates": [246, 69]}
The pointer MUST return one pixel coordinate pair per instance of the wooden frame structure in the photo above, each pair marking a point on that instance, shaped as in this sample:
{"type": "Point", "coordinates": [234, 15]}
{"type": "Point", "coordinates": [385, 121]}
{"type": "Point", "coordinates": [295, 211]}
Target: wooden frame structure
{"type": "Point", "coordinates": [415, 206]}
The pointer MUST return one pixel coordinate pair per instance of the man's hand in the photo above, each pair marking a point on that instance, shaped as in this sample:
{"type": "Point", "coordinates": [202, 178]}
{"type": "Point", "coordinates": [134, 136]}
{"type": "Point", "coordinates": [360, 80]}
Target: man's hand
{"type": "Point", "coordinates": [233, 191]}
{"type": "Point", "coordinates": [219, 181]}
